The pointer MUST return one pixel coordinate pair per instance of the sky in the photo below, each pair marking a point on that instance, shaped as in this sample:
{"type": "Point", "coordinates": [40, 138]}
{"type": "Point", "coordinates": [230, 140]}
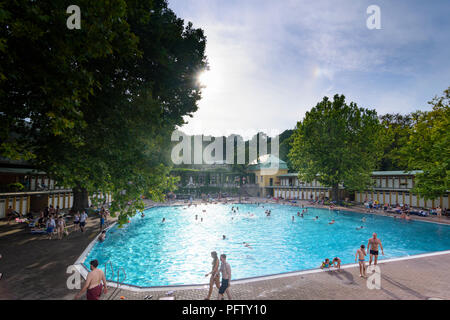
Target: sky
{"type": "Point", "coordinates": [272, 61]}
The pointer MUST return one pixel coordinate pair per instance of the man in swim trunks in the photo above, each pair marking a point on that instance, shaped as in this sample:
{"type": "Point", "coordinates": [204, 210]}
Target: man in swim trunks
{"type": "Point", "coordinates": [93, 284]}
{"type": "Point", "coordinates": [225, 269]}
{"type": "Point", "coordinates": [372, 245]}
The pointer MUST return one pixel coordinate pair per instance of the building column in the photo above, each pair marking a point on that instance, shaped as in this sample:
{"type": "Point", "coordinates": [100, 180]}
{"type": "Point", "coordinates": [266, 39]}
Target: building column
{"type": "Point", "coordinates": [21, 205]}
{"type": "Point", "coordinates": [6, 205]}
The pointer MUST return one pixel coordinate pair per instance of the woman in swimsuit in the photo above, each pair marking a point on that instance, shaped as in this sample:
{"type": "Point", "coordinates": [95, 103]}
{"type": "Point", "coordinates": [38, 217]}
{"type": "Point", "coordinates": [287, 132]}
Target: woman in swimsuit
{"type": "Point", "coordinates": [61, 224]}
{"type": "Point", "coordinates": [215, 274]}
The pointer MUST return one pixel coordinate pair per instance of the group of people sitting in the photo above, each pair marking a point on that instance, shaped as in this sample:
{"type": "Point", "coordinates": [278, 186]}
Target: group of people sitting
{"type": "Point", "coordinates": [403, 209]}
{"type": "Point", "coordinates": [51, 220]}
{"type": "Point", "coordinates": [336, 262]}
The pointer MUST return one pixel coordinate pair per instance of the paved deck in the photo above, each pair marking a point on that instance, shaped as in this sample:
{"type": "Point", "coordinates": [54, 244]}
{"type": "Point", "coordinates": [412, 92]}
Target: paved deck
{"type": "Point", "coordinates": [35, 268]}
{"type": "Point", "coordinates": [415, 279]}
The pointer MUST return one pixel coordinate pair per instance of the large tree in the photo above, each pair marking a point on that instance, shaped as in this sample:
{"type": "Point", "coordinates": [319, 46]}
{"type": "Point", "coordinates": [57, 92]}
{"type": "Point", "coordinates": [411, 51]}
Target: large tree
{"type": "Point", "coordinates": [428, 149]}
{"type": "Point", "coordinates": [95, 107]}
{"type": "Point", "coordinates": [337, 143]}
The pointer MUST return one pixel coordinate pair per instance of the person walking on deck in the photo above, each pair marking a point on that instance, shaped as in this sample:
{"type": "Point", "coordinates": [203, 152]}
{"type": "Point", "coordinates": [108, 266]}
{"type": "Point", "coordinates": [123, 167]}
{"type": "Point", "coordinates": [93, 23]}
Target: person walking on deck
{"type": "Point", "coordinates": [225, 269]}
{"type": "Point", "coordinates": [93, 286]}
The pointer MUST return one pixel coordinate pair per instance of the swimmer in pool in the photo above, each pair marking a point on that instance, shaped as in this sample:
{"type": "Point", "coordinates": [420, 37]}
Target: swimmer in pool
{"type": "Point", "coordinates": [332, 222]}
{"type": "Point", "coordinates": [359, 228]}
{"type": "Point", "coordinates": [292, 218]}
{"type": "Point", "coordinates": [317, 218]}
{"type": "Point", "coordinates": [163, 220]}
{"type": "Point", "coordinates": [247, 245]}
{"type": "Point", "coordinates": [224, 237]}
{"type": "Point", "coordinates": [325, 264]}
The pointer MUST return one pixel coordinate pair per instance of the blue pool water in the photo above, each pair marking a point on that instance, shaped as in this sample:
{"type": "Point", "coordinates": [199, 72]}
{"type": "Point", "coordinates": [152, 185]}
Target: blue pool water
{"type": "Point", "coordinates": [177, 252]}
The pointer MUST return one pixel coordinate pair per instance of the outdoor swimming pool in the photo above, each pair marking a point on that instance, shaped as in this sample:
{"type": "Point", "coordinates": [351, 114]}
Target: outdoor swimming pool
{"type": "Point", "coordinates": [177, 252]}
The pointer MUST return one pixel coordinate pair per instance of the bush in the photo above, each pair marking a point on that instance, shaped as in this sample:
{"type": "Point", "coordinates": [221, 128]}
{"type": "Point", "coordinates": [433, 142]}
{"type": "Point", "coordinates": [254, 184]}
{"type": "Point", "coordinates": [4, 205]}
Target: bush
{"type": "Point", "coordinates": [16, 186]}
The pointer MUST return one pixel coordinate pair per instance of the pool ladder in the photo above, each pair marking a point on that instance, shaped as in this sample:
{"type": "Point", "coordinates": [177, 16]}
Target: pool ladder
{"type": "Point", "coordinates": [118, 282]}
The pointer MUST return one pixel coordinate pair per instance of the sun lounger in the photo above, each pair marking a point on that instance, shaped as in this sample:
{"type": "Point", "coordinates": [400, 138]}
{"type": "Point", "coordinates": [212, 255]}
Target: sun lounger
{"type": "Point", "coordinates": [39, 231]}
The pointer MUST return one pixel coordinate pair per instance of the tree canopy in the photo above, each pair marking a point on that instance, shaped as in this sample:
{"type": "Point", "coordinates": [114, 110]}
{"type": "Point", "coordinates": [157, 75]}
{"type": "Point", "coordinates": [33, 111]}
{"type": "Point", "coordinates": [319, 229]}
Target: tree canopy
{"type": "Point", "coordinates": [428, 149]}
{"type": "Point", "coordinates": [95, 107]}
{"type": "Point", "coordinates": [337, 143]}
{"type": "Point", "coordinates": [396, 133]}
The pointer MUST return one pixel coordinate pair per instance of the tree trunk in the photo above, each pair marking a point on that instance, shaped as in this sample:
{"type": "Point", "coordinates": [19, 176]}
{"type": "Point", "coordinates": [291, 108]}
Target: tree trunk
{"type": "Point", "coordinates": [80, 199]}
{"type": "Point", "coordinates": [335, 192]}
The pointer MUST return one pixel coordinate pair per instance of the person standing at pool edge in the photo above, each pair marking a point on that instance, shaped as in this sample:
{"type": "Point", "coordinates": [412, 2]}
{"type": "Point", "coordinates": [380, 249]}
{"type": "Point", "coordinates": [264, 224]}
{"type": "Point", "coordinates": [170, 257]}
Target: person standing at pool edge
{"type": "Point", "coordinates": [372, 246]}
{"type": "Point", "coordinates": [93, 284]}
{"type": "Point", "coordinates": [360, 255]}
{"type": "Point", "coordinates": [225, 269]}
{"type": "Point", "coordinates": [215, 274]}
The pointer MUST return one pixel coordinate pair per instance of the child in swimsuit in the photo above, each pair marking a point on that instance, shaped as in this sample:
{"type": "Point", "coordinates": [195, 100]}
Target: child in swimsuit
{"type": "Point", "coordinates": [360, 255]}
{"type": "Point", "coordinates": [325, 264]}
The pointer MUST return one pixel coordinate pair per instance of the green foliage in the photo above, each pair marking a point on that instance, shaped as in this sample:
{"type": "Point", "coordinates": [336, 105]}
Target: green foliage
{"type": "Point", "coordinates": [286, 138]}
{"type": "Point", "coordinates": [429, 149]}
{"type": "Point", "coordinates": [16, 186]}
{"type": "Point", "coordinates": [396, 133]}
{"type": "Point", "coordinates": [337, 143]}
{"type": "Point", "coordinates": [95, 107]}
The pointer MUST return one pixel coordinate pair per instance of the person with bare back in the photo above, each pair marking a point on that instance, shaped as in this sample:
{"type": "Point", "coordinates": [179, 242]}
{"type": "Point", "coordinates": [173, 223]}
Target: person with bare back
{"type": "Point", "coordinates": [93, 286]}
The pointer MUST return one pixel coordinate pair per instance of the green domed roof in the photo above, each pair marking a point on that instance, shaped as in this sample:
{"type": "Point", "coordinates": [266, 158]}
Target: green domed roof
{"type": "Point", "coordinates": [267, 161]}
